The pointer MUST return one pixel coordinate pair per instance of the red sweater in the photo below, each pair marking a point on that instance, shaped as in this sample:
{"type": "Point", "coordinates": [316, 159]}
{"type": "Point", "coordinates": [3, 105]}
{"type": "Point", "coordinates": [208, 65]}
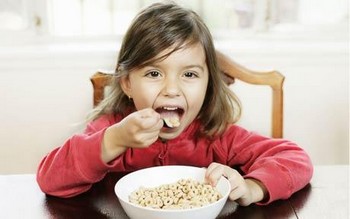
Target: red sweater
{"type": "Point", "coordinates": [280, 165]}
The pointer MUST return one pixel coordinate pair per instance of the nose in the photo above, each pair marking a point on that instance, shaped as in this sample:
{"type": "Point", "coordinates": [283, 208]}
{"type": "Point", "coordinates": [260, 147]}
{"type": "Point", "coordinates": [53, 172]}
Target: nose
{"type": "Point", "coordinates": [171, 87]}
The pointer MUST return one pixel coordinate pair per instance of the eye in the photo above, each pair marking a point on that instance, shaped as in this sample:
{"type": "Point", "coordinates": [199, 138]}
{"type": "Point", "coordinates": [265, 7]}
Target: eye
{"type": "Point", "coordinates": [153, 74]}
{"type": "Point", "coordinates": [190, 75]}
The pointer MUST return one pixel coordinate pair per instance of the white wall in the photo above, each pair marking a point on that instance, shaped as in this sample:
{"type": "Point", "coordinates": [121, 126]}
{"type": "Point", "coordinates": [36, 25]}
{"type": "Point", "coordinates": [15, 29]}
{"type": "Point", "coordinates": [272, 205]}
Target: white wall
{"type": "Point", "coordinates": [45, 94]}
{"type": "Point", "coordinates": [316, 94]}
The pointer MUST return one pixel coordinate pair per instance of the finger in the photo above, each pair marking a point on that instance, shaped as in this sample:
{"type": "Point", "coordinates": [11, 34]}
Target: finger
{"type": "Point", "coordinates": [236, 193]}
{"type": "Point", "coordinates": [237, 183]}
{"type": "Point", "coordinates": [234, 177]}
{"type": "Point", "coordinates": [147, 139]}
{"type": "Point", "coordinates": [149, 118]}
{"type": "Point", "coordinates": [209, 170]}
{"type": "Point", "coordinates": [153, 126]}
{"type": "Point", "coordinates": [226, 170]}
{"type": "Point", "coordinates": [148, 112]}
{"type": "Point", "coordinates": [214, 173]}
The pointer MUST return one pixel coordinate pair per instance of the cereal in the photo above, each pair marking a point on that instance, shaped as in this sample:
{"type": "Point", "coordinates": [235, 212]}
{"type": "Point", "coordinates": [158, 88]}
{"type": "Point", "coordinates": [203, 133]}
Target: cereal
{"type": "Point", "coordinates": [172, 122]}
{"type": "Point", "coordinates": [184, 194]}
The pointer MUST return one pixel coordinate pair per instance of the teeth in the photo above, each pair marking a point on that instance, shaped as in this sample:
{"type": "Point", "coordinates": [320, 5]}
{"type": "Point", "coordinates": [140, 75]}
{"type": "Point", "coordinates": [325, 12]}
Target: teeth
{"type": "Point", "coordinates": [169, 108]}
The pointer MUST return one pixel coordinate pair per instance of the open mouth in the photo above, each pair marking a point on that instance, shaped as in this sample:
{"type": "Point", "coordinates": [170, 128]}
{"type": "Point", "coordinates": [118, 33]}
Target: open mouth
{"type": "Point", "coordinates": [171, 115]}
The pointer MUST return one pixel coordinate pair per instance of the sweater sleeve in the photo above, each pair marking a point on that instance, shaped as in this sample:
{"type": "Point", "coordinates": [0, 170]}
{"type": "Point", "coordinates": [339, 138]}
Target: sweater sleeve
{"type": "Point", "coordinates": [281, 165]}
{"type": "Point", "coordinates": [72, 168]}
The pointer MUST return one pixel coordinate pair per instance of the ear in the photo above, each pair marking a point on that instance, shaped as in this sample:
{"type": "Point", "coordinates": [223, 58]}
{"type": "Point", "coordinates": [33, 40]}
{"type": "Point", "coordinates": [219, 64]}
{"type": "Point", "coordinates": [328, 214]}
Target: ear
{"type": "Point", "coordinates": [125, 85]}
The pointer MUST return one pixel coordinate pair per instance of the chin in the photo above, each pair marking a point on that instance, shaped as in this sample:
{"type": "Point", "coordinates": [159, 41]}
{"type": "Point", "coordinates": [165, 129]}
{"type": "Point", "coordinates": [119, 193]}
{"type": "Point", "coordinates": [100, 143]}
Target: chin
{"type": "Point", "coordinates": [168, 135]}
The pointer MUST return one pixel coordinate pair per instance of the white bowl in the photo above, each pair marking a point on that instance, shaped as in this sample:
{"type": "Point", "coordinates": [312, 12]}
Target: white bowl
{"type": "Point", "coordinates": [156, 176]}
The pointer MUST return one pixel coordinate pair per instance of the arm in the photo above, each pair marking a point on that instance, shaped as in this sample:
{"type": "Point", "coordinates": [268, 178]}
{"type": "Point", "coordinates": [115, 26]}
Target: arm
{"type": "Point", "coordinates": [72, 168]}
{"type": "Point", "coordinates": [85, 159]}
{"type": "Point", "coordinates": [281, 166]}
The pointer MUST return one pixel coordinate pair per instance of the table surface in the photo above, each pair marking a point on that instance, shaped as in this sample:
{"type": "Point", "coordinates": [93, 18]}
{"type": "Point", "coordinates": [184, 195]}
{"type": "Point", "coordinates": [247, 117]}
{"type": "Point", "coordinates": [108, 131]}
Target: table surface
{"type": "Point", "coordinates": [327, 196]}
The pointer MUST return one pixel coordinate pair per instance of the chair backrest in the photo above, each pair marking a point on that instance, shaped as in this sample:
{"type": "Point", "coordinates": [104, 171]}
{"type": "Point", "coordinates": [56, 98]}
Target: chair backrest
{"type": "Point", "coordinates": [232, 71]}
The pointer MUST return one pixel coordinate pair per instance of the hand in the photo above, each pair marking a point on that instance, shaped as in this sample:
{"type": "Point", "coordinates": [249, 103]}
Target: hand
{"type": "Point", "coordinates": [243, 191]}
{"type": "Point", "coordinates": [138, 130]}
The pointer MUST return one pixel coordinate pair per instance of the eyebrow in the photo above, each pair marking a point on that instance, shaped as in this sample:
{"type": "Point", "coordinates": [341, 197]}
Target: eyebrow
{"type": "Point", "coordinates": [195, 66]}
{"type": "Point", "coordinates": [185, 67]}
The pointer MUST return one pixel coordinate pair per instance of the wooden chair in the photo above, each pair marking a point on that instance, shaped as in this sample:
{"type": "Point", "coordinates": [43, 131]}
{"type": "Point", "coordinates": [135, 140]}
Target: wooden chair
{"type": "Point", "coordinates": [232, 71]}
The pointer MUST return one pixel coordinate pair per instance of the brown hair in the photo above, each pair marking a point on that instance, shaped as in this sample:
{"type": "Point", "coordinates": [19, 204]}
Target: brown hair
{"type": "Point", "coordinates": [159, 27]}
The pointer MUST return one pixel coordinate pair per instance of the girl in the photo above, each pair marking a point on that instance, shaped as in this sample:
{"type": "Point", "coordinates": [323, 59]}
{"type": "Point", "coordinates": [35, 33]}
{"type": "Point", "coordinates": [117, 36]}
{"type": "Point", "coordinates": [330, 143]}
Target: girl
{"type": "Point", "coordinates": [167, 70]}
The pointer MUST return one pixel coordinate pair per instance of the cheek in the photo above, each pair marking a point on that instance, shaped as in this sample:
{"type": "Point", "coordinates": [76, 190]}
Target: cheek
{"type": "Point", "coordinates": [144, 96]}
{"type": "Point", "coordinates": [195, 97]}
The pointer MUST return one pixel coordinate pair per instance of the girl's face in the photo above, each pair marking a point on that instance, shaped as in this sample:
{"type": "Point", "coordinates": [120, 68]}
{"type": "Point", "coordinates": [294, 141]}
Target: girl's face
{"type": "Point", "coordinates": [175, 87]}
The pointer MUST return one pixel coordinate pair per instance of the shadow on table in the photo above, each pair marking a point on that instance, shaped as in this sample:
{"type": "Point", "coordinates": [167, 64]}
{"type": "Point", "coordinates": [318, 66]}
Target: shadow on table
{"type": "Point", "coordinates": [299, 199]}
{"type": "Point", "coordinates": [99, 202]}
{"type": "Point", "coordinates": [279, 209]}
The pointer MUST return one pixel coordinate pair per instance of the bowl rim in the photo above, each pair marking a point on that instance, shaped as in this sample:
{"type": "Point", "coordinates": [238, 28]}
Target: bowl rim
{"type": "Point", "coordinates": [224, 196]}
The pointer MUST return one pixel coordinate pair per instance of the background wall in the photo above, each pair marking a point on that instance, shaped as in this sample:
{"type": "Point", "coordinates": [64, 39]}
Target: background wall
{"type": "Point", "coordinates": [45, 94]}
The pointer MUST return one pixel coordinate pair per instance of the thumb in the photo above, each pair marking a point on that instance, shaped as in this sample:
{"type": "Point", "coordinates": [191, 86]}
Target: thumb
{"type": "Point", "coordinates": [148, 117]}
